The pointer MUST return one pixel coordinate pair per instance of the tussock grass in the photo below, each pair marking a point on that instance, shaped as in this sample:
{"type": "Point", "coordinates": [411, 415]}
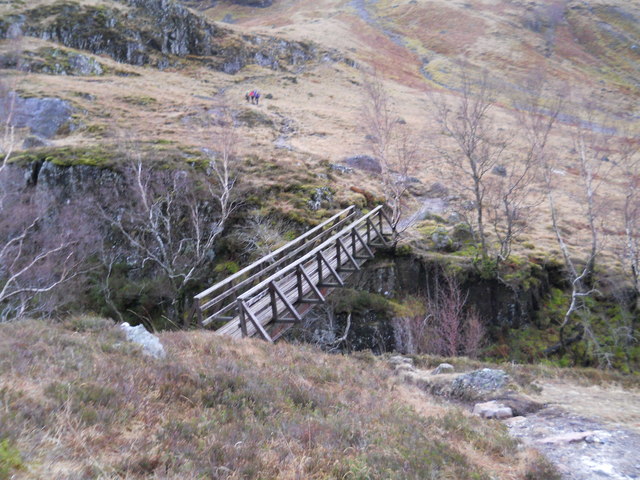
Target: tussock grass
{"type": "Point", "coordinates": [78, 401]}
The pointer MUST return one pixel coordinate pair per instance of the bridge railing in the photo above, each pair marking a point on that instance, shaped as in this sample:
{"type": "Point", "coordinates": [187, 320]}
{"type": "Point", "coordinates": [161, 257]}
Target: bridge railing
{"type": "Point", "coordinates": [219, 301]}
{"type": "Point", "coordinates": [312, 271]}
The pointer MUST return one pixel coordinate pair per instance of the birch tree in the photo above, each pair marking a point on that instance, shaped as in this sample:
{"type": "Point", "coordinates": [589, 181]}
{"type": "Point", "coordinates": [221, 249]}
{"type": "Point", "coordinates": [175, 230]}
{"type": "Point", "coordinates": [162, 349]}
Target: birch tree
{"type": "Point", "coordinates": [474, 145]}
{"type": "Point", "coordinates": [175, 216]}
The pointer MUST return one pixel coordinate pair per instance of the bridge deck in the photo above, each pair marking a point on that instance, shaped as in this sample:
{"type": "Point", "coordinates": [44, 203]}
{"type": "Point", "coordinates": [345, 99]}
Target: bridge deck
{"type": "Point", "coordinates": [306, 276]}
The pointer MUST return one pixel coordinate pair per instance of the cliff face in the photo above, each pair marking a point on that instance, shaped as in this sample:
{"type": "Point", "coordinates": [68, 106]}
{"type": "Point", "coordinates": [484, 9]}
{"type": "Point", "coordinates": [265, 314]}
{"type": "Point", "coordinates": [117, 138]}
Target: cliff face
{"type": "Point", "coordinates": [155, 32]}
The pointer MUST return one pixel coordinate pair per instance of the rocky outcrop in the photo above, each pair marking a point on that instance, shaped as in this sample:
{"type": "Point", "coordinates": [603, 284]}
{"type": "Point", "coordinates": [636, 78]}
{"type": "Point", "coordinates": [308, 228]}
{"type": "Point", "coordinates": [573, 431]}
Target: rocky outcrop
{"type": "Point", "coordinates": [133, 36]}
{"type": "Point", "coordinates": [155, 32]}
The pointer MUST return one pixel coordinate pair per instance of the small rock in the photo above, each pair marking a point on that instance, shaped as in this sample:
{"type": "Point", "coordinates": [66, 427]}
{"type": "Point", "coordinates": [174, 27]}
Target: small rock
{"type": "Point", "coordinates": [515, 421]}
{"type": "Point", "coordinates": [438, 190]}
{"type": "Point", "coordinates": [282, 144]}
{"type": "Point", "coordinates": [441, 239]}
{"type": "Point", "coordinates": [443, 368]}
{"type": "Point", "coordinates": [33, 141]}
{"type": "Point", "coordinates": [593, 439]}
{"type": "Point", "coordinates": [492, 410]}
{"type": "Point", "coordinates": [150, 343]}
{"type": "Point", "coordinates": [404, 367]}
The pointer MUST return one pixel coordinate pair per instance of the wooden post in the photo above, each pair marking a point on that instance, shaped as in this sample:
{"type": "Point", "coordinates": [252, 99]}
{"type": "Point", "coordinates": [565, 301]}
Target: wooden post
{"type": "Point", "coordinates": [274, 304]}
{"type": "Point", "coordinates": [198, 312]}
{"type": "Point", "coordinates": [354, 251]}
{"type": "Point", "coordinates": [338, 256]}
{"type": "Point", "coordinates": [319, 256]}
{"type": "Point", "coordinates": [299, 282]}
{"type": "Point", "coordinates": [243, 319]}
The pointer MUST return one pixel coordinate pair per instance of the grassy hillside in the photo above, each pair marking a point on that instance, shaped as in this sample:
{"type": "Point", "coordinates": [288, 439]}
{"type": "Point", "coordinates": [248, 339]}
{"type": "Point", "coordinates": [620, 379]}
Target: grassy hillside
{"type": "Point", "coordinates": [150, 84]}
{"type": "Point", "coordinates": [311, 112]}
{"type": "Point", "coordinates": [78, 401]}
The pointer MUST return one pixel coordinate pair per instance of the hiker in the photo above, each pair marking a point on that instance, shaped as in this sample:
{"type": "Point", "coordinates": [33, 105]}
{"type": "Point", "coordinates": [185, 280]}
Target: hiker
{"type": "Point", "coordinates": [247, 97]}
{"type": "Point", "coordinates": [256, 95]}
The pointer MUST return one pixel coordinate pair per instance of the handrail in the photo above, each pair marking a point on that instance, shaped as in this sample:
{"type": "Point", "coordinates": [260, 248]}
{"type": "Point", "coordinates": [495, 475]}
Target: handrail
{"type": "Point", "coordinates": [228, 280]}
{"type": "Point", "coordinates": [272, 266]}
{"type": "Point", "coordinates": [305, 258]}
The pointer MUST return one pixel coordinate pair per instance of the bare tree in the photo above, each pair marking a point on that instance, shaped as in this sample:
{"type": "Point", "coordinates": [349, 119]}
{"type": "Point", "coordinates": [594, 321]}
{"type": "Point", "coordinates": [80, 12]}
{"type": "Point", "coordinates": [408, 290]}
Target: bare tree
{"type": "Point", "coordinates": [588, 144]}
{"type": "Point", "coordinates": [35, 256]}
{"type": "Point", "coordinates": [513, 195]}
{"type": "Point", "coordinates": [391, 142]}
{"type": "Point", "coordinates": [630, 162]}
{"type": "Point", "coordinates": [260, 235]}
{"type": "Point", "coordinates": [475, 144]}
{"type": "Point", "coordinates": [175, 216]}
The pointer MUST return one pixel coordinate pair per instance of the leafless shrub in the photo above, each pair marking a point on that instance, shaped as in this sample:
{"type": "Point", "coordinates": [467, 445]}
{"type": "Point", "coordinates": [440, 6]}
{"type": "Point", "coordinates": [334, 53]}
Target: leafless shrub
{"type": "Point", "coordinates": [513, 196]}
{"type": "Point", "coordinates": [260, 235]}
{"type": "Point", "coordinates": [450, 327]}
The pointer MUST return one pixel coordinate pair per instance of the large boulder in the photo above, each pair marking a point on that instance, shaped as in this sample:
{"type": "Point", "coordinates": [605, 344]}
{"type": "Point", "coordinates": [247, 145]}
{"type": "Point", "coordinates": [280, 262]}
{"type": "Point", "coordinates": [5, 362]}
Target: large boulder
{"type": "Point", "coordinates": [364, 162]}
{"type": "Point", "coordinates": [44, 117]}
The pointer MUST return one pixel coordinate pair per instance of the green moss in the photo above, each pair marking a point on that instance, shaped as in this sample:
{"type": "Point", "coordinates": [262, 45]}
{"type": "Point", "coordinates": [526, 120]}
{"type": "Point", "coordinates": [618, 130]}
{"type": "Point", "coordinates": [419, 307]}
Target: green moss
{"type": "Point", "coordinates": [96, 130]}
{"type": "Point", "coordinates": [96, 156]}
{"type": "Point", "coordinates": [403, 250]}
{"type": "Point", "coordinates": [228, 268]}
{"type": "Point", "coordinates": [348, 300]}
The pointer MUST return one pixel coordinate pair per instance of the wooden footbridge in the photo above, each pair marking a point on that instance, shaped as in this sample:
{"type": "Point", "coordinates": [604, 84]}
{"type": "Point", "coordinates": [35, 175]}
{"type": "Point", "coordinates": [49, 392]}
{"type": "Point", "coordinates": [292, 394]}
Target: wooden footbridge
{"type": "Point", "coordinates": [271, 295]}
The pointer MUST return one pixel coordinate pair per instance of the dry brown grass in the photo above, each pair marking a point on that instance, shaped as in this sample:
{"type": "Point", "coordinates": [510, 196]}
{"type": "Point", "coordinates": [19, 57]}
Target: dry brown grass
{"type": "Point", "coordinates": [323, 100]}
{"type": "Point", "coordinates": [78, 401]}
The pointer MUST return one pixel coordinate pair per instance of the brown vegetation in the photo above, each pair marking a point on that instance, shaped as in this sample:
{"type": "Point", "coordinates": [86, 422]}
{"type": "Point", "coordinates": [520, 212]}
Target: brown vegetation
{"type": "Point", "coordinates": [79, 401]}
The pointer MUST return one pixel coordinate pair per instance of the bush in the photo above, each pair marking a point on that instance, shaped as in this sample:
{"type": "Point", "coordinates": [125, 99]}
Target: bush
{"type": "Point", "coordinates": [10, 459]}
